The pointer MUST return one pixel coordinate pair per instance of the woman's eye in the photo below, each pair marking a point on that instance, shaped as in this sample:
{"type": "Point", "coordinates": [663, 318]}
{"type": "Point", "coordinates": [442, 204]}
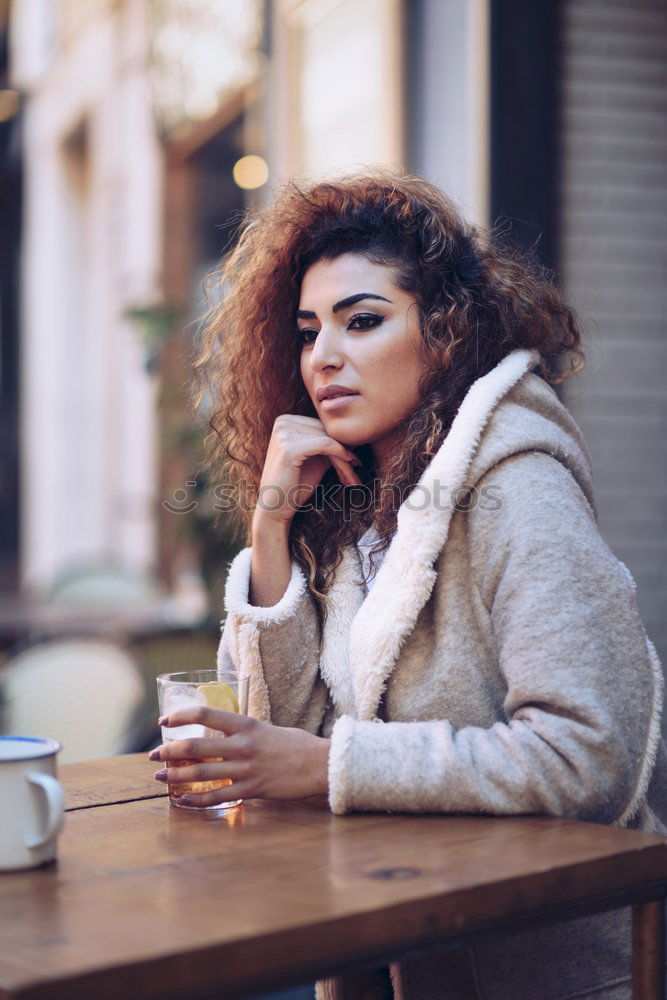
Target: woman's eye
{"type": "Point", "coordinates": [366, 321]}
{"type": "Point", "coordinates": [360, 321]}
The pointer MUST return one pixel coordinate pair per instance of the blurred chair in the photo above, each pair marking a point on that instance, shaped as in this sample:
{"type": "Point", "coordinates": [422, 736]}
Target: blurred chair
{"type": "Point", "coordinates": [165, 653]}
{"type": "Point", "coordinates": [178, 649]}
{"type": "Point", "coordinates": [103, 585]}
{"type": "Point", "coordinates": [85, 693]}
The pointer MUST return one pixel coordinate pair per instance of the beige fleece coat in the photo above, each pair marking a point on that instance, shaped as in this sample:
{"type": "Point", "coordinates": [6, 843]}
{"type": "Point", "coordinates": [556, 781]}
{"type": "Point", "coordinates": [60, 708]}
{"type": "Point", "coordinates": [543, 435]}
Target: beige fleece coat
{"type": "Point", "coordinates": [498, 665]}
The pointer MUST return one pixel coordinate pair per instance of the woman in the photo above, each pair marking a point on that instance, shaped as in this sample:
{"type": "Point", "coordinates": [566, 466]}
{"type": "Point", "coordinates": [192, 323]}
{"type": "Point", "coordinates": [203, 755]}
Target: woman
{"type": "Point", "coordinates": [495, 662]}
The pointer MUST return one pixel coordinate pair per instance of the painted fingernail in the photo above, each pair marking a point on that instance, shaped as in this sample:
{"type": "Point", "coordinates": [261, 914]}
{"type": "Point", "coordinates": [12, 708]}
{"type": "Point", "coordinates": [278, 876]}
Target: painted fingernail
{"type": "Point", "coordinates": [163, 720]}
{"type": "Point", "coordinates": [154, 754]}
{"type": "Point", "coordinates": [161, 775]}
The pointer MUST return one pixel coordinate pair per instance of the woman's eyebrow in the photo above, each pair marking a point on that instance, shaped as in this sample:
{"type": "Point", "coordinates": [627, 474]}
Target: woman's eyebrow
{"type": "Point", "coordinates": [343, 304]}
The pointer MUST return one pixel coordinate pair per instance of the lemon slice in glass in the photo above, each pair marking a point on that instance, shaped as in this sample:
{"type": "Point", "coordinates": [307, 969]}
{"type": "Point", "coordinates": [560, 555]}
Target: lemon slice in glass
{"type": "Point", "coordinates": [219, 695]}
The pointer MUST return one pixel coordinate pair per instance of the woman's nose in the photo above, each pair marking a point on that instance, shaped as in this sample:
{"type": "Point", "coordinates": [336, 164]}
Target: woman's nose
{"type": "Point", "coordinates": [326, 351]}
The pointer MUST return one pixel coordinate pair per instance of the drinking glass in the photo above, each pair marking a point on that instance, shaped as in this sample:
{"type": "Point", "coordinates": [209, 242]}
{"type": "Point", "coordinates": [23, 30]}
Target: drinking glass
{"type": "Point", "coordinates": [189, 688]}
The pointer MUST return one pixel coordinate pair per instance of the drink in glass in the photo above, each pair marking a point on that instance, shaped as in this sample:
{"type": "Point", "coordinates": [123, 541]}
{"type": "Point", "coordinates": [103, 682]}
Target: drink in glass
{"type": "Point", "coordinates": [193, 688]}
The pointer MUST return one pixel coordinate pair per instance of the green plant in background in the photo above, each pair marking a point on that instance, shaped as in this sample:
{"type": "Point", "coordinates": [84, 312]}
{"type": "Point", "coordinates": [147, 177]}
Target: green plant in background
{"type": "Point", "coordinates": [182, 437]}
{"type": "Point", "coordinates": [155, 325]}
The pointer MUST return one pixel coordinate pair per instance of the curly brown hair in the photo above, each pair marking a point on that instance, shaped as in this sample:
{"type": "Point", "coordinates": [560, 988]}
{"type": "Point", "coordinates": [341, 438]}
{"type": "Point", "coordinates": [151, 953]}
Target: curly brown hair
{"type": "Point", "coordinates": [478, 300]}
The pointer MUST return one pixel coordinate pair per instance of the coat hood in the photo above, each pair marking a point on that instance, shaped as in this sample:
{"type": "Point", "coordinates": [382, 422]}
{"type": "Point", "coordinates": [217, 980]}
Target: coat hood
{"type": "Point", "coordinates": [529, 417]}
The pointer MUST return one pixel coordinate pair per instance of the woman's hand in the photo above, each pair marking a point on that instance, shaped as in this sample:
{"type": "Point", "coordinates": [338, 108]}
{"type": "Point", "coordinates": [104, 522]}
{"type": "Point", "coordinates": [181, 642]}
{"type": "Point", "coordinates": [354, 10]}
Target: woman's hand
{"type": "Point", "coordinates": [263, 761]}
{"type": "Point", "coordinates": [300, 452]}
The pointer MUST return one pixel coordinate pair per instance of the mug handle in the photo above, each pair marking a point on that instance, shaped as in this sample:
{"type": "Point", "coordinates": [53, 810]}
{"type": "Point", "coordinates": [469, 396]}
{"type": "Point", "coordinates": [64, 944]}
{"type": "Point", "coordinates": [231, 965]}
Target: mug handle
{"type": "Point", "coordinates": [55, 801]}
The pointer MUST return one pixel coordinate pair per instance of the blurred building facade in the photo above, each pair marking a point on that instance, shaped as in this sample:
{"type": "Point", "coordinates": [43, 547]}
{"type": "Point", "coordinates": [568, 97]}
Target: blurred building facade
{"type": "Point", "coordinates": [550, 115]}
{"type": "Point", "coordinates": [92, 246]}
{"type": "Point", "coordinates": [11, 189]}
{"type": "Point", "coordinates": [613, 256]}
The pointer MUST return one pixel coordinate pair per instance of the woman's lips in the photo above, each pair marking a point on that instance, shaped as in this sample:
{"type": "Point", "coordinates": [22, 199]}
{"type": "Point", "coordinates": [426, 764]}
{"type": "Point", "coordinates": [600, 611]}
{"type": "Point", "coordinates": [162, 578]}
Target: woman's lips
{"type": "Point", "coordinates": [337, 402]}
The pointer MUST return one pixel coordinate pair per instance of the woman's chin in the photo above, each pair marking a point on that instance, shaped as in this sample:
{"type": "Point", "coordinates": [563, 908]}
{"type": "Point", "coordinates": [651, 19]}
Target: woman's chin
{"type": "Point", "coordinates": [344, 430]}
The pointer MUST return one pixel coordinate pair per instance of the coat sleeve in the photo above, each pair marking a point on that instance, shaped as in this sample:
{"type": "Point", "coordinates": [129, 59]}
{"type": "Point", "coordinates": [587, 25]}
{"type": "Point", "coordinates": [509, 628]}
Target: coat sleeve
{"type": "Point", "coordinates": [277, 646]}
{"type": "Point", "coordinates": [581, 725]}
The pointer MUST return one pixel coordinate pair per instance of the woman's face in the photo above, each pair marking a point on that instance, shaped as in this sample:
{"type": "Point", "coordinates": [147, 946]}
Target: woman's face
{"type": "Point", "coordinates": [357, 329]}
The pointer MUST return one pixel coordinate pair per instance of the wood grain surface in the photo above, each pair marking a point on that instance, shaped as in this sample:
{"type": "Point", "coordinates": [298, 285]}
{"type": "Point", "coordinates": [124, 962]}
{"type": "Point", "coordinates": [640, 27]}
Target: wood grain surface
{"type": "Point", "coordinates": [147, 900]}
{"type": "Point", "coordinates": [103, 782]}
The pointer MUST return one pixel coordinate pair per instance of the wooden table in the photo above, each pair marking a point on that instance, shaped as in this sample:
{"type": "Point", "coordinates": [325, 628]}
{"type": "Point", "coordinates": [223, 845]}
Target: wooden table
{"type": "Point", "coordinates": [147, 900]}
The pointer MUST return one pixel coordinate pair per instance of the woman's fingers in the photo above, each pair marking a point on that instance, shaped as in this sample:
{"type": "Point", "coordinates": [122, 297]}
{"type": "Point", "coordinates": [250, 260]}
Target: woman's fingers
{"type": "Point", "coordinates": [320, 444]}
{"type": "Point", "coordinates": [345, 473]}
{"type": "Point", "coordinates": [193, 749]}
{"type": "Point", "coordinates": [305, 437]}
{"type": "Point", "coordinates": [265, 761]}
{"type": "Point", "coordinates": [243, 730]}
{"type": "Point", "coordinates": [339, 456]}
{"type": "Point", "coordinates": [344, 468]}
{"type": "Point", "coordinates": [303, 423]}
{"type": "Point", "coordinates": [300, 452]}
{"type": "Point", "coordinates": [212, 718]}
{"type": "Point", "coordinates": [206, 770]}
{"type": "Point", "coordinates": [239, 790]}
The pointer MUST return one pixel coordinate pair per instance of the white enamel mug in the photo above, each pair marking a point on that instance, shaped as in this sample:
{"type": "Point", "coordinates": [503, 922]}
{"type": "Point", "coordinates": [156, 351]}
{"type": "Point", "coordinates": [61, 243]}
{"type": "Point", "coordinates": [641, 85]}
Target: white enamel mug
{"type": "Point", "coordinates": [33, 805]}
